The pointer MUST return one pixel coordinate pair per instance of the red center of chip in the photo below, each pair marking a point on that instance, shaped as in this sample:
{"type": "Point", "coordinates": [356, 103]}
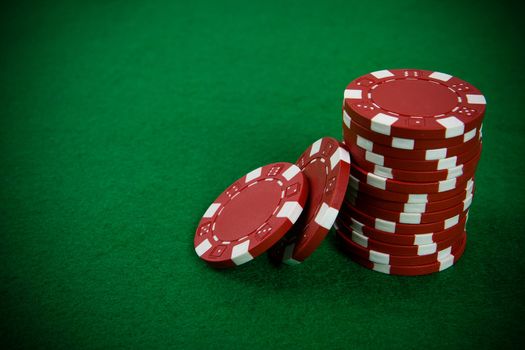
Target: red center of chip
{"type": "Point", "coordinates": [414, 97]}
{"type": "Point", "coordinates": [246, 211]}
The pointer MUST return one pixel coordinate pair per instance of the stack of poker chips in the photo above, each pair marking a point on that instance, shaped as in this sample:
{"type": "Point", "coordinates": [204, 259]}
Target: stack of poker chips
{"type": "Point", "coordinates": [414, 138]}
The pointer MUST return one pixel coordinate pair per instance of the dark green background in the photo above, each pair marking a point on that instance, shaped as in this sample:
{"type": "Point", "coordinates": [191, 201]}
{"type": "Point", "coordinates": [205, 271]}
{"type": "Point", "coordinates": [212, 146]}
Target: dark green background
{"type": "Point", "coordinates": [122, 121]}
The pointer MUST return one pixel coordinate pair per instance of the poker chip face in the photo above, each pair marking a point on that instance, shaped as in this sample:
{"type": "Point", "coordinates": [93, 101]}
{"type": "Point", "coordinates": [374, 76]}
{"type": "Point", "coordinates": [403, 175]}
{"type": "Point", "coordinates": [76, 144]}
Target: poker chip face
{"type": "Point", "coordinates": [417, 104]}
{"type": "Point", "coordinates": [326, 165]}
{"type": "Point", "coordinates": [251, 215]}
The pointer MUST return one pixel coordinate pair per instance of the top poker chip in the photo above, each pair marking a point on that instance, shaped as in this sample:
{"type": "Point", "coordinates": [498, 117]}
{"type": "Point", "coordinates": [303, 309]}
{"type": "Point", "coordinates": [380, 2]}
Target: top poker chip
{"type": "Point", "coordinates": [251, 215]}
{"type": "Point", "coordinates": [414, 104]}
{"type": "Point", "coordinates": [326, 165]}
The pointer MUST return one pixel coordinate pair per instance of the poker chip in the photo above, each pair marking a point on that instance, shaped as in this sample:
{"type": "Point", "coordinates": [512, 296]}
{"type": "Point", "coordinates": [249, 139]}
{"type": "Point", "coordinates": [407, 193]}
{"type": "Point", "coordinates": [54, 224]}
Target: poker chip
{"type": "Point", "coordinates": [415, 104]}
{"type": "Point", "coordinates": [398, 143]}
{"type": "Point", "coordinates": [398, 188]}
{"type": "Point", "coordinates": [326, 165]}
{"type": "Point", "coordinates": [397, 239]}
{"type": "Point", "coordinates": [443, 262]}
{"type": "Point", "coordinates": [415, 139]}
{"type": "Point", "coordinates": [349, 211]}
{"type": "Point", "coordinates": [392, 259]}
{"type": "Point", "coordinates": [251, 215]}
{"type": "Point", "coordinates": [419, 176]}
{"type": "Point", "coordinates": [415, 165]}
{"type": "Point", "coordinates": [402, 250]}
{"type": "Point", "coordinates": [361, 199]}
{"type": "Point", "coordinates": [413, 218]}
{"type": "Point", "coordinates": [441, 152]}
{"type": "Point", "coordinates": [393, 185]}
{"type": "Point", "coordinates": [355, 184]}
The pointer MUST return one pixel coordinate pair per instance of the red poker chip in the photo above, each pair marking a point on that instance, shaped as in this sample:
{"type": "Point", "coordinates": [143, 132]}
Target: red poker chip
{"type": "Point", "coordinates": [412, 103]}
{"type": "Point", "coordinates": [392, 259]}
{"type": "Point", "coordinates": [443, 263]}
{"type": "Point", "coordinates": [356, 184]}
{"type": "Point", "coordinates": [359, 199]}
{"type": "Point", "coordinates": [412, 218]}
{"type": "Point", "coordinates": [352, 137]}
{"type": "Point", "coordinates": [348, 211]}
{"type": "Point", "coordinates": [349, 223]}
{"type": "Point", "coordinates": [251, 215]}
{"type": "Point", "coordinates": [409, 143]}
{"type": "Point", "coordinates": [392, 185]}
{"type": "Point", "coordinates": [326, 165]}
{"type": "Point", "coordinates": [417, 176]}
{"type": "Point", "coordinates": [414, 165]}
{"type": "Point", "coordinates": [398, 250]}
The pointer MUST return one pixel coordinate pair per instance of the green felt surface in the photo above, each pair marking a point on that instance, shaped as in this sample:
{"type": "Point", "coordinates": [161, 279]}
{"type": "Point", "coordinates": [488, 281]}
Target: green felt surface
{"type": "Point", "coordinates": [121, 121]}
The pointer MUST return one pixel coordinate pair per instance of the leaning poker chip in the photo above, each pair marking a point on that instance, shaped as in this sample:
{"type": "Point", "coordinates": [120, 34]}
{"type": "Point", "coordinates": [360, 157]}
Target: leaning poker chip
{"type": "Point", "coordinates": [348, 211]}
{"type": "Point", "coordinates": [397, 239]}
{"type": "Point", "coordinates": [414, 165]}
{"type": "Point", "coordinates": [361, 186]}
{"type": "Point", "coordinates": [413, 218]}
{"type": "Point", "coordinates": [251, 215]}
{"type": "Point", "coordinates": [418, 176]}
{"type": "Point", "coordinates": [359, 199]}
{"type": "Point", "coordinates": [443, 263]}
{"type": "Point", "coordinates": [383, 183]}
{"type": "Point", "coordinates": [401, 250]}
{"type": "Point", "coordinates": [416, 104]}
{"type": "Point", "coordinates": [326, 165]}
{"type": "Point", "coordinates": [387, 258]}
{"type": "Point", "coordinates": [352, 137]}
{"type": "Point", "coordinates": [409, 143]}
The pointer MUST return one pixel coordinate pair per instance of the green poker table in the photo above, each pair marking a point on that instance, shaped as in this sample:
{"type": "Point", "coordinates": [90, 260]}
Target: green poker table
{"type": "Point", "coordinates": [122, 121]}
